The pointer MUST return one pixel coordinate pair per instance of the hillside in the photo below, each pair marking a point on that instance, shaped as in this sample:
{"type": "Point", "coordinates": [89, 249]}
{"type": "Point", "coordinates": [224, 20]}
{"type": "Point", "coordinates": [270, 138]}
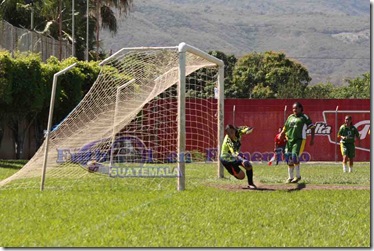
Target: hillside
{"type": "Point", "coordinates": [330, 38]}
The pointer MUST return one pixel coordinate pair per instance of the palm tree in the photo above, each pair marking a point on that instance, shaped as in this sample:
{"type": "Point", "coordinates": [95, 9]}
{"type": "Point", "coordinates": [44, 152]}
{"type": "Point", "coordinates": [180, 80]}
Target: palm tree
{"type": "Point", "coordinates": [105, 17]}
{"type": "Point", "coordinates": [49, 14]}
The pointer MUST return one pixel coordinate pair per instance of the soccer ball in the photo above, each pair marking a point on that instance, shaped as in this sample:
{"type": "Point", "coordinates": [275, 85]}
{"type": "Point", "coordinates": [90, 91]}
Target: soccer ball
{"type": "Point", "coordinates": [92, 166]}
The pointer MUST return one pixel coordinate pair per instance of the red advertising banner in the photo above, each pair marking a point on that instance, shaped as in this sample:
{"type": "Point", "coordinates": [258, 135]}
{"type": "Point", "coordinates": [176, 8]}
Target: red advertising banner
{"type": "Point", "coordinates": [267, 116]}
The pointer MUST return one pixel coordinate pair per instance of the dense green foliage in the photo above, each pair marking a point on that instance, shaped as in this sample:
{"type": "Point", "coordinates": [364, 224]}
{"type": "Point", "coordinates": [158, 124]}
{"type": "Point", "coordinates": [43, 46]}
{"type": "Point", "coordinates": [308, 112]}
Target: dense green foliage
{"type": "Point", "coordinates": [273, 75]}
{"type": "Point", "coordinates": [229, 61]}
{"type": "Point", "coordinates": [23, 101]}
{"type": "Point", "coordinates": [25, 92]}
{"type": "Point", "coordinates": [211, 212]}
{"type": "Point", "coordinates": [356, 88]}
{"type": "Point", "coordinates": [283, 77]}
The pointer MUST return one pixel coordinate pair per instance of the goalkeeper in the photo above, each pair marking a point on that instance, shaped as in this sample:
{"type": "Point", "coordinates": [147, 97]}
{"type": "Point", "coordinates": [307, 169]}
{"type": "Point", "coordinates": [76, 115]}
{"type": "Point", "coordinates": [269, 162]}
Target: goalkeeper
{"type": "Point", "coordinates": [230, 157]}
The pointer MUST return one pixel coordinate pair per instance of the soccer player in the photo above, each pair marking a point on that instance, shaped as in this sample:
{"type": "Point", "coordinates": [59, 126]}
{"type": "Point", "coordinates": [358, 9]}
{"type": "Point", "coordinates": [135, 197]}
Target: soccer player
{"type": "Point", "coordinates": [294, 130]}
{"type": "Point", "coordinates": [230, 157]}
{"type": "Point", "coordinates": [347, 133]}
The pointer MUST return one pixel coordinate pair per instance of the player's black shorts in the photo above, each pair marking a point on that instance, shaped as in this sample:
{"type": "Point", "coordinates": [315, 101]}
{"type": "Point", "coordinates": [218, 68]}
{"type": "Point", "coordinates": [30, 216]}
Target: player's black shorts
{"type": "Point", "coordinates": [232, 166]}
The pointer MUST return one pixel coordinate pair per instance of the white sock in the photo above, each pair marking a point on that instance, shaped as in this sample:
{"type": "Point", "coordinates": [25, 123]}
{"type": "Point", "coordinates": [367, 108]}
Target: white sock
{"type": "Point", "coordinates": [350, 169]}
{"type": "Point", "coordinates": [290, 172]}
{"type": "Point", "coordinates": [344, 168]}
{"type": "Point", "coordinates": [297, 167]}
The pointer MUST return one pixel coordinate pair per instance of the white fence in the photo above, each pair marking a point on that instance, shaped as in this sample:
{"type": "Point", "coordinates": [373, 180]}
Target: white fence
{"type": "Point", "coordinates": [16, 39]}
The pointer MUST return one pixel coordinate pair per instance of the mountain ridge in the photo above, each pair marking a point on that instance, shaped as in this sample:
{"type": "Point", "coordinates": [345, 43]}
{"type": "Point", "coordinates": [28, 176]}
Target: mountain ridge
{"type": "Point", "coordinates": [331, 39]}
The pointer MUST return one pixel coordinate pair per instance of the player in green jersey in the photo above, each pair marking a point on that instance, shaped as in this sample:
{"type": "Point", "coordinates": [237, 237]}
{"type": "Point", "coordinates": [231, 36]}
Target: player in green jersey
{"type": "Point", "coordinates": [347, 133]}
{"type": "Point", "coordinates": [230, 156]}
{"type": "Point", "coordinates": [294, 130]}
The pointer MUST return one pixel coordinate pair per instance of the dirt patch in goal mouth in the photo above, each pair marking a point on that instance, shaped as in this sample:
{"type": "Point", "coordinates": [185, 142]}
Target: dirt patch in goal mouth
{"type": "Point", "coordinates": [290, 187]}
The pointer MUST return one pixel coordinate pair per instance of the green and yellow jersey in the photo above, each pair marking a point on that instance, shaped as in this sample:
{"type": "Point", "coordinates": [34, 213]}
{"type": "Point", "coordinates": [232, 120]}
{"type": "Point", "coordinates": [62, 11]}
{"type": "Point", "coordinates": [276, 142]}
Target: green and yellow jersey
{"type": "Point", "coordinates": [349, 132]}
{"type": "Point", "coordinates": [230, 148]}
{"type": "Point", "coordinates": [296, 126]}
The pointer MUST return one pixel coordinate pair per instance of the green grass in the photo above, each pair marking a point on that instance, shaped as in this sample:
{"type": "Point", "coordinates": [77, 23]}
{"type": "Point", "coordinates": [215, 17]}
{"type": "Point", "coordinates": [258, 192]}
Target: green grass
{"type": "Point", "coordinates": [102, 212]}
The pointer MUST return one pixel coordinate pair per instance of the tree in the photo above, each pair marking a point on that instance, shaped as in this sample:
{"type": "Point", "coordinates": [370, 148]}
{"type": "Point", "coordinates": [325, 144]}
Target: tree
{"type": "Point", "coordinates": [47, 14]}
{"type": "Point", "coordinates": [247, 74]}
{"type": "Point", "coordinates": [104, 16]}
{"type": "Point", "coordinates": [261, 91]}
{"type": "Point", "coordinates": [16, 12]}
{"type": "Point", "coordinates": [284, 77]}
{"type": "Point", "coordinates": [204, 89]}
{"type": "Point", "coordinates": [24, 97]}
{"type": "Point", "coordinates": [5, 88]}
{"type": "Point", "coordinates": [359, 87]}
{"type": "Point", "coordinates": [320, 91]}
{"type": "Point", "coordinates": [229, 61]}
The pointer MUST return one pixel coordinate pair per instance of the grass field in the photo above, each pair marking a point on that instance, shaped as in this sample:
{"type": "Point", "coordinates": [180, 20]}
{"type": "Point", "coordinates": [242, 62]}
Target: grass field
{"type": "Point", "coordinates": [328, 208]}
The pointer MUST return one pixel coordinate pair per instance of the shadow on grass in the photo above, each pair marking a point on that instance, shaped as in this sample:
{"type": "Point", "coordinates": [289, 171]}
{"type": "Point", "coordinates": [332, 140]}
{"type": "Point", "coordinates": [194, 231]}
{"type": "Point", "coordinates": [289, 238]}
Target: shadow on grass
{"type": "Point", "coordinates": [12, 165]}
{"type": "Point", "coordinates": [260, 189]}
{"type": "Point", "coordinates": [267, 188]}
{"type": "Point", "coordinates": [297, 188]}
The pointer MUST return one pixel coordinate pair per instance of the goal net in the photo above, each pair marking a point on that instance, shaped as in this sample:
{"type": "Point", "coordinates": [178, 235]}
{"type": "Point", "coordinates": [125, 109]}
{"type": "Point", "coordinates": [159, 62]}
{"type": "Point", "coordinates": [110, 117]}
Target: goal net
{"type": "Point", "coordinates": [151, 111]}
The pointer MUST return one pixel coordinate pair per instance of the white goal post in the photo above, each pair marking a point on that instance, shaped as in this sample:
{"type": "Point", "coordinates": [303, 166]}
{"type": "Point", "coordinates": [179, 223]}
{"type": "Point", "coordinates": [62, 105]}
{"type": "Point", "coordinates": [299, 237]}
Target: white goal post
{"type": "Point", "coordinates": [150, 111]}
{"type": "Point", "coordinates": [183, 48]}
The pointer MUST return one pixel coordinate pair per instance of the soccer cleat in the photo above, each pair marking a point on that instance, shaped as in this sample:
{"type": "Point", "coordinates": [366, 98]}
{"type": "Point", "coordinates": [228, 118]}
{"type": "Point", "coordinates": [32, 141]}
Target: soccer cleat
{"type": "Point", "coordinates": [296, 179]}
{"type": "Point", "coordinates": [289, 180]}
{"type": "Point", "coordinates": [252, 186]}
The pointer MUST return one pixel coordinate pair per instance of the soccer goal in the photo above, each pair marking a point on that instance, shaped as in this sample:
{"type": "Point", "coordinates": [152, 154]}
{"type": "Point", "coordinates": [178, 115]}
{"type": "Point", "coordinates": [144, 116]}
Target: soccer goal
{"type": "Point", "coordinates": [150, 111]}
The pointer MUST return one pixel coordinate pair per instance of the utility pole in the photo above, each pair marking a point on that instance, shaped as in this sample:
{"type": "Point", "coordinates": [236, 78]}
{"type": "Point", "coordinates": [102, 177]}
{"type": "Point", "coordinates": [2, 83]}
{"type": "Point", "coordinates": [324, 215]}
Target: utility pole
{"type": "Point", "coordinates": [60, 29]}
{"type": "Point", "coordinates": [87, 27]}
{"type": "Point", "coordinates": [72, 29]}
